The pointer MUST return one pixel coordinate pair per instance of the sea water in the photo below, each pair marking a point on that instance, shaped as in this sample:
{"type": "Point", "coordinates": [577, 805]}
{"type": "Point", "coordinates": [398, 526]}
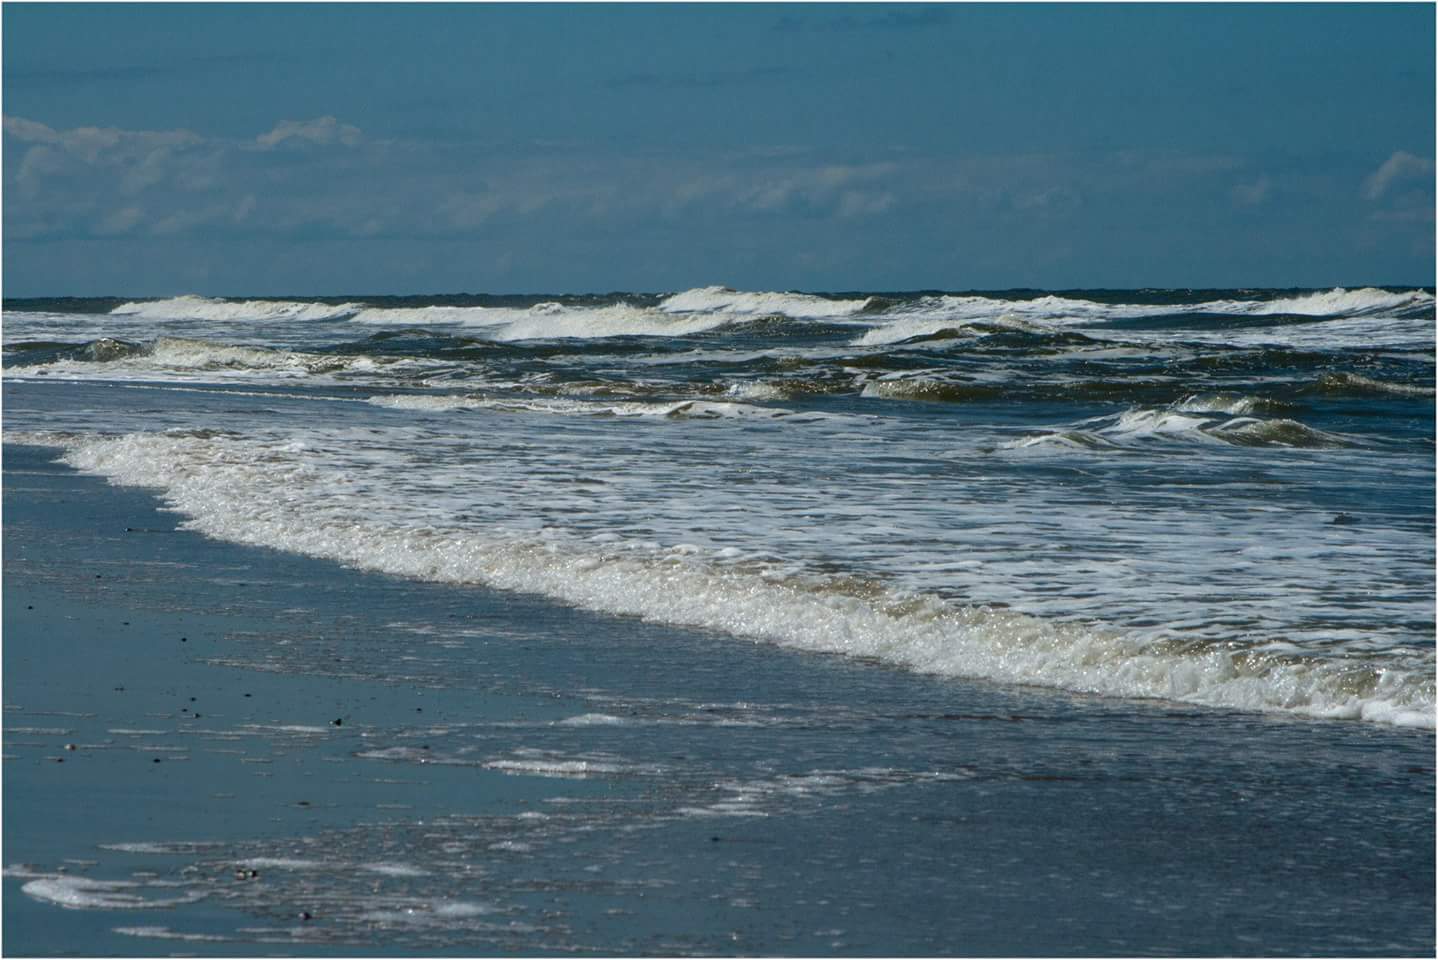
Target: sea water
{"type": "Point", "coordinates": [1219, 497]}
{"type": "Point", "coordinates": [1215, 502]}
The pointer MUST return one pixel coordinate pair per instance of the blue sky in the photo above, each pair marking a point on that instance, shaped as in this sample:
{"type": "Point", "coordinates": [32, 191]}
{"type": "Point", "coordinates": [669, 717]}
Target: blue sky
{"type": "Point", "coordinates": [247, 149]}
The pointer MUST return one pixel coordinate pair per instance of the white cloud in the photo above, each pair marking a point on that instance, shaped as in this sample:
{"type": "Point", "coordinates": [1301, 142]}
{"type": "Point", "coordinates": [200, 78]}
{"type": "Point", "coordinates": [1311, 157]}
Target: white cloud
{"type": "Point", "coordinates": [467, 210]}
{"type": "Point", "coordinates": [863, 203]}
{"type": "Point", "coordinates": [120, 221]}
{"type": "Point", "coordinates": [108, 181]}
{"type": "Point", "coordinates": [322, 130]}
{"type": "Point", "coordinates": [1057, 198]}
{"type": "Point", "coordinates": [1402, 165]}
{"type": "Point", "coordinates": [182, 221]}
{"type": "Point", "coordinates": [39, 160]}
{"type": "Point", "coordinates": [143, 157]}
{"type": "Point", "coordinates": [1252, 194]}
{"type": "Point", "coordinates": [99, 144]}
{"type": "Point", "coordinates": [842, 190]}
{"type": "Point", "coordinates": [30, 131]}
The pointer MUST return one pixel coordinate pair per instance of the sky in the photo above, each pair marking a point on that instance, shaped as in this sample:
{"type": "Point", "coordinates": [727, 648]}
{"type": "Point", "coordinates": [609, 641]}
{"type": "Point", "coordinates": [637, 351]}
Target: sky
{"type": "Point", "coordinates": [345, 148]}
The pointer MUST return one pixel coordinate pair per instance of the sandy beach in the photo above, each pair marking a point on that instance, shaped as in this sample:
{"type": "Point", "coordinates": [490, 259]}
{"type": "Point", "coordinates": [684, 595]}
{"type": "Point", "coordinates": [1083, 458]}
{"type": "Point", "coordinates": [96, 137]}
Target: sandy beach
{"type": "Point", "coordinates": [124, 733]}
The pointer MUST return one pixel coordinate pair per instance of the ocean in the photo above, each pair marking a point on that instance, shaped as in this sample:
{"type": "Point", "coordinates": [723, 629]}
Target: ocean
{"type": "Point", "coordinates": [1028, 622]}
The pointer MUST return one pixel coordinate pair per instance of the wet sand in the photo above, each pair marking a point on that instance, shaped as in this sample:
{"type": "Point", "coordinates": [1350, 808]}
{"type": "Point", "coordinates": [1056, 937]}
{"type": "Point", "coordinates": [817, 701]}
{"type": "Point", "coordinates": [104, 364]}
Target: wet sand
{"type": "Point", "coordinates": [126, 729]}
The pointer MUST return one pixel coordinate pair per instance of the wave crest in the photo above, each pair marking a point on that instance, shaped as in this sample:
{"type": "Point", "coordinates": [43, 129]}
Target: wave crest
{"type": "Point", "coordinates": [1353, 383]}
{"type": "Point", "coordinates": [1191, 420]}
{"type": "Point", "coordinates": [192, 307]}
{"type": "Point", "coordinates": [545, 321]}
{"type": "Point", "coordinates": [1342, 302]}
{"type": "Point", "coordinates": [801, 306]}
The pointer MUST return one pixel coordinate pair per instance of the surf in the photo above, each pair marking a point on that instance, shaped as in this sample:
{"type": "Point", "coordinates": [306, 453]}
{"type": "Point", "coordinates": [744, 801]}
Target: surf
{"type": "Point", "coordinates": [274, 495]}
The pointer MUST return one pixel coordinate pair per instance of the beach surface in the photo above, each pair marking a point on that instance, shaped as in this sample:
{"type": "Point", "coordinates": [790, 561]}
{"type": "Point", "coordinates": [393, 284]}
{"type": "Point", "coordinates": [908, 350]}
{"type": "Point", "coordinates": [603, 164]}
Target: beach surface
{"type": "Point", "coordinates": [224, 750]}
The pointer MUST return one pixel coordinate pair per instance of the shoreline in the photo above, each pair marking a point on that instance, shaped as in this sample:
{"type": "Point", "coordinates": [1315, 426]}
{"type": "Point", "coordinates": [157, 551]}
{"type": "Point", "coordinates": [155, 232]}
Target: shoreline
{"type": "Point", "coordinates": [512, 777]}
{"type": "Point", "coordinates": [129, 731]}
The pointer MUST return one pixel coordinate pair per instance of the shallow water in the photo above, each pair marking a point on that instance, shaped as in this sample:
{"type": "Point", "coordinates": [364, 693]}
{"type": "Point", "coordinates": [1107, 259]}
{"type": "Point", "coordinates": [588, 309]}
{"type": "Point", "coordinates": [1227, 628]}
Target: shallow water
{"type": "Point", "coordinates": [514, 777]}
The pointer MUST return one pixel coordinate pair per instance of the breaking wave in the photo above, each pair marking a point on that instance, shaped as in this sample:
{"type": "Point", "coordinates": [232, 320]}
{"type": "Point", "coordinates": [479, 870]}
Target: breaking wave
{"type": "Point", "coordinates": [930, 315]}
{"type": "Point", "coordinates": [1192, 420]}
{"type": "Point", "coordinates": [1230, 403]}
{"type": "Point", "coordinates": [802, 306]}
{"type": "Point", "coordinates": [272, 495]}
{"type": "Point", "coordinates": [546, 321]}
{"type": "Point", "coordinates": [1341, 302]}
{"type": "Point", "coordinates": [191, 307]}
{"type": "Point", "coordinates": [184, 357]}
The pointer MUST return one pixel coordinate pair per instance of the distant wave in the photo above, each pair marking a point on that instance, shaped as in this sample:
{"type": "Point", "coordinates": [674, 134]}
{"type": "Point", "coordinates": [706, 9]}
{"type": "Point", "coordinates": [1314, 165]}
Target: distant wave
{"type": "Point", "coordinates": [803, 306]}
{"type": "Point", "coordinates": [546, 321]}
{"type": "Point", "coordinates": [919, 328]}
{"type": "Point", "coordinates": [1341, 302]}
{"type": "Point", "coordinates": [185, 357]}
{"type": "Point", "coordinates": [914, 321]}
{"type": "Point", "coordinates": [204, 308]}
{"type": "Point", "coordinates": [891, 320]}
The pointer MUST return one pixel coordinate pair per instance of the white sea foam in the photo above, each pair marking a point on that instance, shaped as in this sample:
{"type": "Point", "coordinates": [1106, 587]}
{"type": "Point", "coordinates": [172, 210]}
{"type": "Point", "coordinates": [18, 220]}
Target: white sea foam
{"type": "Point", "coordinates": [184, 353]}
{"type": "Point", "coordinates": [1135, 424]}
{"type": "Point", "coordinates": [162, 849]}
{"type": "Point", "coordinates": [926, 316]}
{"type": "Point", "coordinates": [409, 755]}
{"type": "Point", "coordinates": [970, 316]}
{"type": "Point", "coordinates": [462, 908]}
{"type": "Point", "coordinates": [1232, 404]}
{"type": "Point", "coordinates": [545, 321]}
{"type": "Point", "coordinates": [394, 869]}
{"type": "Point", "coordinates": [158, 932]}
{"type": "Point", "coordinates": [907, 328]}
{"type": "Point", "coordinates": [556, 768]}
{"type": "Point", "coordinates": [1340, 302]}
{"type": "Point", "coordinates": [593, 720]}
{"type": "Point", "coordinates": [723, 300]}
{"type": "Point", "coordinates": [760, 390]}
{"type": "Point", "coordinates": [1195, 419]}
{"type": "Point", "coordinates": [443, 914]}
{"type": "Point", "coordinates": [83, 893]}
{"type": "Point", "coordinates": [188, 359]}
{"type": "Point", "coordinates": [1408, 312]}
{"type": "Point", "coordinates": [282, 863]}
{"type": "Point", "coordinates": [261, 494]}
{"type": "Point", "coordinates": [193, 307]}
